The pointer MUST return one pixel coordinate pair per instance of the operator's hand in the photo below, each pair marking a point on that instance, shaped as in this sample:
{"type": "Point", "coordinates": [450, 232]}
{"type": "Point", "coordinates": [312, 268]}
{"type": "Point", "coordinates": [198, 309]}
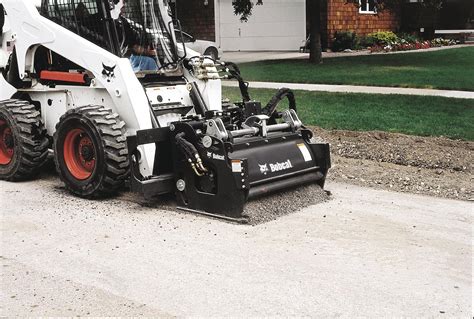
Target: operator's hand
{"type": "Point", "coordinates": [139, 50]}
{"type": "Point", "coordinates": [151, 52]}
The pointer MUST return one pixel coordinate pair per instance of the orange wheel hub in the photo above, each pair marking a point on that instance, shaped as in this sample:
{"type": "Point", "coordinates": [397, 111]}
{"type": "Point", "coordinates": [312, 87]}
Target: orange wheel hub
{"type": "Point", "coordinates": [79, 154]}
{"type": "Point", "coordinates": [6, 143]}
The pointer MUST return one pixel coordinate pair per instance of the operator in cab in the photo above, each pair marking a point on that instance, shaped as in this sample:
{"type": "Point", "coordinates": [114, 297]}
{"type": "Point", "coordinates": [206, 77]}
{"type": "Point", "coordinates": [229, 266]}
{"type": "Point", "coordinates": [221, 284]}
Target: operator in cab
{"type": "Point", "coordinates": [136, 47]}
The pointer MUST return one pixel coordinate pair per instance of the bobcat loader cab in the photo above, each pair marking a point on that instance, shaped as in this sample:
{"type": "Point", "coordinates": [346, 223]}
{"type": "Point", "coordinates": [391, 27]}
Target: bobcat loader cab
{"type": "Point", "coordinates": [67, 83]}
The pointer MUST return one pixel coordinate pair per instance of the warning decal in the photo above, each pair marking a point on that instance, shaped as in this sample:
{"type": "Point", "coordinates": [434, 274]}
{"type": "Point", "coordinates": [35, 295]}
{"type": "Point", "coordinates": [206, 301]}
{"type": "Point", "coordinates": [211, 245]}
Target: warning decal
{"type": "Point", "coordinates": [236, 166]}
{"type": "Point", "coordinates": [305, 152]}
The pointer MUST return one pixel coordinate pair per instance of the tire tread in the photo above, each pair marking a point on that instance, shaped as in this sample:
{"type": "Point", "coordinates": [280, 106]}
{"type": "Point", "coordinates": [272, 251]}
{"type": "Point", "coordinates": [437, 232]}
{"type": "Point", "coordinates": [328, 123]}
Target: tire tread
{"type": "Point", "coordinates": [112, 136]}
{"type": "Point", "coordinates": [34, 143]}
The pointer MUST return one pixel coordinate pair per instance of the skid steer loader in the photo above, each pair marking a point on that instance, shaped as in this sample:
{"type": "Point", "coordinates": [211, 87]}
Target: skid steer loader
{"type": "Point", "coordinates": [110, 87]}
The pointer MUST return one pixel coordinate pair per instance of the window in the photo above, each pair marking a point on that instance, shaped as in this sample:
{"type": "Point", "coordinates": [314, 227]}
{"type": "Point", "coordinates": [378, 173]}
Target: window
{"type": "Point", "coordinates": [367, 6]}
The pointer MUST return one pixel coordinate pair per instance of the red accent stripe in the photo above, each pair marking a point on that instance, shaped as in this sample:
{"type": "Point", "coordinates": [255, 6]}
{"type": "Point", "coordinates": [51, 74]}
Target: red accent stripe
{"type": "Point", "coordinates": [63, 76]}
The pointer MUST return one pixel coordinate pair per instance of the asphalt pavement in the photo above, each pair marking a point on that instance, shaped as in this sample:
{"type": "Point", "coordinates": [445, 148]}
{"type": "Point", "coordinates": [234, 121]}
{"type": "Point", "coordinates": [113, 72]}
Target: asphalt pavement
{"type": "Point", "coordinates": [364, 253]}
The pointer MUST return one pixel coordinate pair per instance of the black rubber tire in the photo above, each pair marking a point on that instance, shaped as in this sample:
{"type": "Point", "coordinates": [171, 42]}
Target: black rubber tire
{"type": "Point", "coordinates": [30, 140]}
{"type": "Point", "coordinates": [107, 133]}
{"type": "Point", "coordinates": [212, 52]}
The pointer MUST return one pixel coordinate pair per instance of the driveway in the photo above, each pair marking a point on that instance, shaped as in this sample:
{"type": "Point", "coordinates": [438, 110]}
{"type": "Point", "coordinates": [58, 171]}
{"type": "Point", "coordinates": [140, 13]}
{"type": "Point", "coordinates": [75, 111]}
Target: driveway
{"type": "Point", "coordinates": [364, 253]}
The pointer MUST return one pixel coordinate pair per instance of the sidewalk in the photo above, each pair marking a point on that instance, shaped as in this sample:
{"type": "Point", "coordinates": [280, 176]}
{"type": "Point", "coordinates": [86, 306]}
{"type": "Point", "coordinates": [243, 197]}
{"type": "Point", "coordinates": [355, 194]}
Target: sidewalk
{"type": "Point", "coordinates": [356, 89]}
{"type": "Point", "coordinates": [246, 56]}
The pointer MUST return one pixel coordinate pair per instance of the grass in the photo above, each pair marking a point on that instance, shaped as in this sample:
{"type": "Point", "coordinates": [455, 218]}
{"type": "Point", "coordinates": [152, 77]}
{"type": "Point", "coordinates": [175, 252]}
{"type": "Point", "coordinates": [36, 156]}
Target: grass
{"type": "Point", "coordinates": [444, 69]}
{"type": "Point", "coordinates": [414, 115]}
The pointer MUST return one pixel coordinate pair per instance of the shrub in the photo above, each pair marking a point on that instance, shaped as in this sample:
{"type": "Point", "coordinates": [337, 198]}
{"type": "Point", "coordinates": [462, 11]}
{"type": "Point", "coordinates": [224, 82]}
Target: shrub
{"type": "Point", "coordinates": [366, 41]}
{"type": "Point", "coordinates": [382, 38]}
{"type": "Point", "coordinates": [409, 38]}
{"type": "Point", "coordinates": [439, 42]}
{"type": "Point", "coordinates": [344, 40]}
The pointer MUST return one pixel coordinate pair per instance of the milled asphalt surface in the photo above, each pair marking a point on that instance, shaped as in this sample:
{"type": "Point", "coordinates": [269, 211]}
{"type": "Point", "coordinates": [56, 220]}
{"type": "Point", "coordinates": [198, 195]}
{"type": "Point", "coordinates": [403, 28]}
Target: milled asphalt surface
{"type": "Point", "coordinates": [364, 253]}
{"type": "Point", "coordinates": [356, 89]}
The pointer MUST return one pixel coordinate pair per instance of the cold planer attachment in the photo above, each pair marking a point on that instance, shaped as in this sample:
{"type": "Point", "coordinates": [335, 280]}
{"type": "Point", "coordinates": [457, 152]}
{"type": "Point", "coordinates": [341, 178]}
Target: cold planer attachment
{"type": "Point", "coordinates": [244, 169]}
{"type": "Point", "coordinates": [218, 166]}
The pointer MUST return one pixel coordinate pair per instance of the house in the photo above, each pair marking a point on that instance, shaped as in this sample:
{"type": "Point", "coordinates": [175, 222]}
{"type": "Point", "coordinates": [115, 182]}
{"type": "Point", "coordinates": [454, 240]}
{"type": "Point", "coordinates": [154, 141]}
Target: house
{"type": "Point", "coordinates": [339, 15]}
{"type": "Point", "coordinates": [277, 25]}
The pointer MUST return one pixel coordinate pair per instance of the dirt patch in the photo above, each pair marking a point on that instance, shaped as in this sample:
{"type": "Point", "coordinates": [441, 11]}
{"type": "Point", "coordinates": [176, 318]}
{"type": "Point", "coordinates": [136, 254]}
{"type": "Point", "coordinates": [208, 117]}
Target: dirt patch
{"type": "Point", "coordinates": [426, 165]}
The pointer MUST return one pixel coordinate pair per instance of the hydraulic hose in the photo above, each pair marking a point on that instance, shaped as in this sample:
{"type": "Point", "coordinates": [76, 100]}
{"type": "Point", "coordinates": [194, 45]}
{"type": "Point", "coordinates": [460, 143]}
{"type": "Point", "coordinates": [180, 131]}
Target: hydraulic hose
{"type": "Point", "coordinates": [233, 70]}
{"type": "Point", "coordinates": [197, 99]}
{"type": "Point", "coordinates": [187, 148]}
{"type": "Point", "coordinates": [243, 86]}
{"type": "Point", "coordinates": [191, 154]}
{"type": "Point", "coordinates": [270, 108]}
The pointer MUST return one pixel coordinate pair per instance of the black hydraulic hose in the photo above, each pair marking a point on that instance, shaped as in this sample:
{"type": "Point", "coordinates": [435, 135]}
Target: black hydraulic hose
{"type": "Point", "coordinates": [197, 99]}
{"type": "Point", "coordinates": [243, 86]}
{"type": "Point", "coordinates": [188, 149]}
{"type": "Point", "coordinates": [270, 108]}
{"type": "Point", "coordinates": [234, 66]}
{"type": "Point", "coordinates": [191, 147]}
{"type": "Point", "coordinates": [192, 155]}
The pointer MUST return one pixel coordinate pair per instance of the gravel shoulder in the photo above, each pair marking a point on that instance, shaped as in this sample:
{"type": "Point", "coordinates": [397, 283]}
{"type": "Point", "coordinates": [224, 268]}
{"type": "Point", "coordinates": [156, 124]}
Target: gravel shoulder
{"type": "Point", "coordinates": [433, 166]}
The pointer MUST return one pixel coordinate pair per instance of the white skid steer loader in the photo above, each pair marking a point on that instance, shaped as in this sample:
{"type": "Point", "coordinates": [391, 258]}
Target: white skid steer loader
{"type": "Point", "coordinates": [110, 89]}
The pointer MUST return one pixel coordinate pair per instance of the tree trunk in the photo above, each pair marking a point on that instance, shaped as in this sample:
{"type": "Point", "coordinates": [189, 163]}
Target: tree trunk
{"type": "Point", "coordinates": [315, 50]}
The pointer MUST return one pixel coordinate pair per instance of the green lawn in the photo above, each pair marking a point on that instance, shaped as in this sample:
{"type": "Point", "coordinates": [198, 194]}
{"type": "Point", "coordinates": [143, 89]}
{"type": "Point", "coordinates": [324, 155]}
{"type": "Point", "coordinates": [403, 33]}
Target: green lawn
{"type": "Point", "coordinates": [415, 115]}
{"type": "Point", "coordinates": [445, 69]}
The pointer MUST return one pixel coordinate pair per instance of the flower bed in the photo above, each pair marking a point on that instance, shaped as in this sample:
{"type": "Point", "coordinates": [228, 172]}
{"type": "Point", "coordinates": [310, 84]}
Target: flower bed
{"type": "Point", "coordinates": [385, 41]}
{"type": "Point", "coordinates": [403, 45]}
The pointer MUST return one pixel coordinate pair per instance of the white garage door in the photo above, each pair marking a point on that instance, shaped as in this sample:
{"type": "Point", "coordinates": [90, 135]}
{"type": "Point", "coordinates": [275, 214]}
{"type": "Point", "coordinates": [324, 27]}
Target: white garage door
{"type": "Point", "coordinates": [278, 25]}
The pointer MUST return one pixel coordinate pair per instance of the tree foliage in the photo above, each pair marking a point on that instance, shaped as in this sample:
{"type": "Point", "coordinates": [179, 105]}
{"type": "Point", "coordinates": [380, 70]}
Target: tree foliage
{"type": "Point", "coordinates": [243, 8]}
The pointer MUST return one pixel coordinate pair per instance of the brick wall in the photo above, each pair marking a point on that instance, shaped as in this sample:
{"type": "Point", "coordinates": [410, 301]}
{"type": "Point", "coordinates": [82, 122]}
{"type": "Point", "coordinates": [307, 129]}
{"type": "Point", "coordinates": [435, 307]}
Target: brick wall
{"type": "Point", "coordinates": [197, 19]}
{"type": "Point", "coordinates": [343, 16]}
